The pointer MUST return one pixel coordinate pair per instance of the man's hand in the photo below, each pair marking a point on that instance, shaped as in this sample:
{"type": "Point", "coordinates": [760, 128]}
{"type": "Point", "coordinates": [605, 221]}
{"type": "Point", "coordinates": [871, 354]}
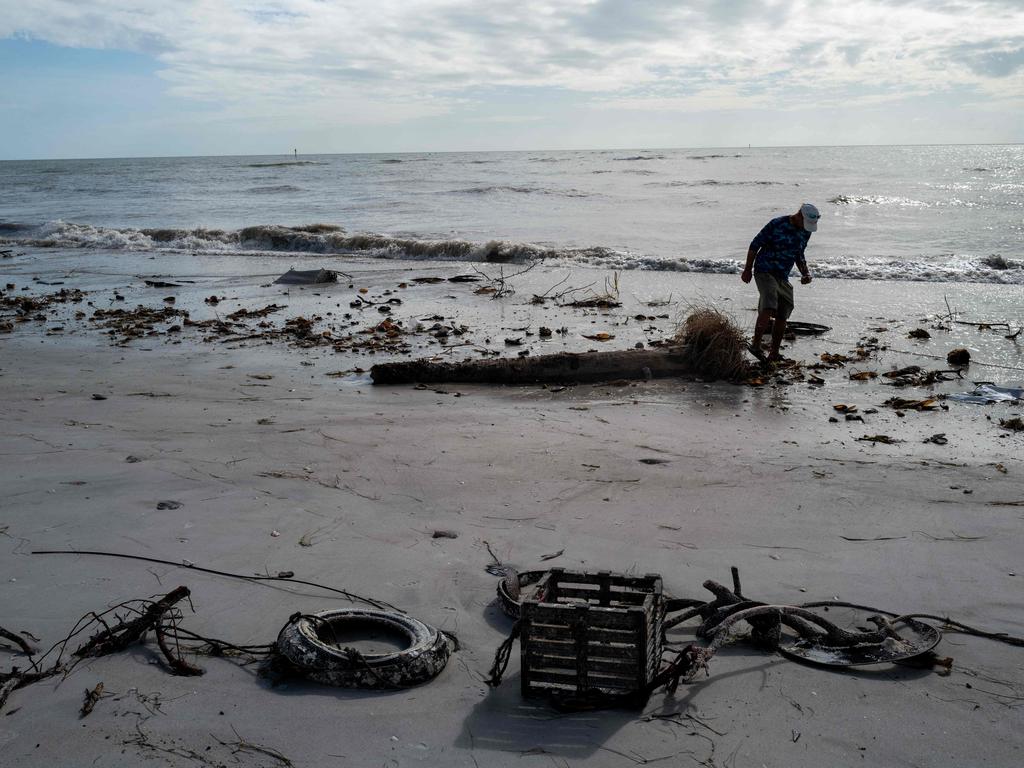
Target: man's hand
{"type": "Point", "coordinates": [805, 279]}
{"type": "Point", "coordinates": [746, 275]}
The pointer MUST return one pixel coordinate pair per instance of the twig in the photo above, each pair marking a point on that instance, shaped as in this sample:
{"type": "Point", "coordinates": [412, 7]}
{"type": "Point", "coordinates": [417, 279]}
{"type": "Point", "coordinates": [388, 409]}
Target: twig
{"type": "Point", "coordinates": [124, 634]}
{"type": "Point", "coordinates": [491, 553]}
{"type": "Point", "coordinates": [500, 283]}
{"type": "Point", "coordinates": [178, 665]}
{"type": "Point", "coordinates": [91, 697]}
{"type": "Point", "coordinates": [17, 640]}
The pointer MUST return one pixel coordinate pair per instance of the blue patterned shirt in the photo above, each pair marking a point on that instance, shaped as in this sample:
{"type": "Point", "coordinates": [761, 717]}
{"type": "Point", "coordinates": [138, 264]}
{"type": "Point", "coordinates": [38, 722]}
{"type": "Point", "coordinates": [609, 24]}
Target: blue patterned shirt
{"type": "Point", "coordinates": [778, 246]}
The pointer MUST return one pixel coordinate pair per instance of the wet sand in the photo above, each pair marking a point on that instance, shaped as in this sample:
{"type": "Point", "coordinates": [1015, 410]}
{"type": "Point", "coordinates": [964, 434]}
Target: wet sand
{"type": "Point", "coordinates": [756, 477]}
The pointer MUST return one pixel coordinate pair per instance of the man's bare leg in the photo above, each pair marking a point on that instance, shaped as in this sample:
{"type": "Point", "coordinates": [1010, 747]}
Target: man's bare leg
{"type": "Point", "coordinates": [764, 322]}
{"type": "Point", "coordinates": [778, 331]}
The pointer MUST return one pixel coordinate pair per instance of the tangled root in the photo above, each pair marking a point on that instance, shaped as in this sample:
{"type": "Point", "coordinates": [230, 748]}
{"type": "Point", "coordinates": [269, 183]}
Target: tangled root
{"type": "Point", "coordinates": [714, 343]}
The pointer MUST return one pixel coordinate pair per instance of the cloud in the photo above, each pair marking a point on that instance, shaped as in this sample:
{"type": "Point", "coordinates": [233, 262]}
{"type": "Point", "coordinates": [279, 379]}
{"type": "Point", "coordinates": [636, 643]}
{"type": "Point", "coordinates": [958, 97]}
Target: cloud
{"type": "Point", "coordinates": [357, 61]}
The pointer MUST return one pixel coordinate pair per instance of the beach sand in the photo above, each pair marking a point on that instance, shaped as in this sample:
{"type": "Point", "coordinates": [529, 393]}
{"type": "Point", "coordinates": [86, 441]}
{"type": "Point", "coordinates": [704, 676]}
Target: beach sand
{"type": "Point", "coordinates": [756, 477]}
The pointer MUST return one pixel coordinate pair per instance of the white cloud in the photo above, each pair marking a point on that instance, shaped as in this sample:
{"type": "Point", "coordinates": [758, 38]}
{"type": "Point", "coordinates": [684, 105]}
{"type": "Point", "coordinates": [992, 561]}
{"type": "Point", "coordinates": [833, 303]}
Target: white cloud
{"type": "Point", "coordinates": [359, 61]}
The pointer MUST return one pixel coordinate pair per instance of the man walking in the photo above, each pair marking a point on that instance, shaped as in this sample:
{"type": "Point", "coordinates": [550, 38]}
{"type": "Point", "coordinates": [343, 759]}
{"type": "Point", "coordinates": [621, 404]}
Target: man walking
{"type": "Point", "coordinates": [770, 259]}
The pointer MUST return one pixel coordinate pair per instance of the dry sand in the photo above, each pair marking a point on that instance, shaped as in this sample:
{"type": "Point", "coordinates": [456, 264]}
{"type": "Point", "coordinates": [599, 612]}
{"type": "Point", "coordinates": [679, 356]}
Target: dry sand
{"type": "Point", "coordinates": [757, 478]}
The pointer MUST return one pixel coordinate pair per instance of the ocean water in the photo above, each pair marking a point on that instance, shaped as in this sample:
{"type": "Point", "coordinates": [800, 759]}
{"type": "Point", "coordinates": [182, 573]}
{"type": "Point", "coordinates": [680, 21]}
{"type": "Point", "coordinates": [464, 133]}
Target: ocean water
{"type": "Point", "coordinates": [936, 213]}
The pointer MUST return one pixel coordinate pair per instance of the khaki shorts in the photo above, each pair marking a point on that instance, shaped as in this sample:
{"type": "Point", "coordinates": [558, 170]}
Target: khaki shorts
{"type": "Point", "coordinates": [776, 294]}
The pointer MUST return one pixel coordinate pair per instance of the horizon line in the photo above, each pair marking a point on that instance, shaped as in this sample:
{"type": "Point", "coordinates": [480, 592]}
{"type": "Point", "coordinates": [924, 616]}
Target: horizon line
{"type": "Point", "coordinates": [638, 148]}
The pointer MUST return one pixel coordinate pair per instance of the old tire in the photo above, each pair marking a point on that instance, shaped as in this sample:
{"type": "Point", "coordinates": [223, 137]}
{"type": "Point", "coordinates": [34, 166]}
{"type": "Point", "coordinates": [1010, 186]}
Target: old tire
{"type": "Point", "coordinates": [301, 641]}
{"type": "Point", "coordinates": [806, 329]}
{"type": "Point", "coordinates": [510, 603]}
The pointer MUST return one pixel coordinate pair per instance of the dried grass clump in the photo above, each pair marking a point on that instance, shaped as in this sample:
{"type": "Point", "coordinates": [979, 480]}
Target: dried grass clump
{"type": "Point", "coordinates": [713, 343]}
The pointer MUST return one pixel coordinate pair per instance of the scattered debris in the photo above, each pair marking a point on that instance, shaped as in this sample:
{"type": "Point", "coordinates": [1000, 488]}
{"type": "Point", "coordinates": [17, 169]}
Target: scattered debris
{"type": "Point", "coordinates": [115, 629]}
{"type": "Point", "coordinates": [1014, 424]}
{"type": "Point", "coordinates": [91, 697]}
{"type": "Point", "coordinates": [903, 404]}
{"type": "Point", "coordinates": [245, 314]}
{"type": "Point", "coordinates": [986, 393]}
{"type": "Point", "coordinates": [593, 300]}
{"type": "Point", "coordinates": [919, 333]}
{"type": "Point", "coordinates": [499, 287]}
{"type": "Point", "coordinates": [835, 359]}
{"type": "Point", "coordinates": [914, 376]}
{"type": "Point", "coordinates": [307, 277]}
{"type": "Point", "coordinates": [884, 439]}
{"type": "Point", "coordinates": [958, 356]}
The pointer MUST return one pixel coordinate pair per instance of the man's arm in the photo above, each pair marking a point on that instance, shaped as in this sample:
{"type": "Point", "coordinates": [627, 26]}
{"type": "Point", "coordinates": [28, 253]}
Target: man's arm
{"type": "Point", "coordinates": [801, 264]}
{"type": "Point", "coordinates": [748, 268]}
{"type": "Point", "coordinates": [759, 241]}
{"type": "Point", "coordinates": [805, 273]}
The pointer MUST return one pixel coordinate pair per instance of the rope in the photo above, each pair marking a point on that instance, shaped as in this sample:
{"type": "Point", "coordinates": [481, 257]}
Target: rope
{"type": "Point", "coordinates": [502, 656]}
{"type": "Point", "coordinates": [192, 566]}
{"type": "Point", "coordinates": [956, 626]}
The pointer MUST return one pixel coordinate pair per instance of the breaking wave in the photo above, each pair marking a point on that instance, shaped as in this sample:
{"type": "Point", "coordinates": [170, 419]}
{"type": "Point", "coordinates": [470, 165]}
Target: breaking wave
{"type": "Point", "coordinates": [330, 239]}
{"type": "Point", "coordinates": [272, 238]}
{"type": "Point", "coordinates": [877, 200]}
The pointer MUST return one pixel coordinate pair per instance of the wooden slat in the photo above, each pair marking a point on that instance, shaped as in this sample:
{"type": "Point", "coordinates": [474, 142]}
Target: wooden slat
{"type": "Point", "coordinates": [556, 647]}
{"type": "Point", "coordinates": [594, 634]}
{"type": "Point", "coordinates": [651, 582]}
{"type": "Point", "coordinates": [542, 661]}
{"type": "Point", "coordinates": [625, 596]}
{"type": "Point", "coordinates": [554, 680]}
{"type": "Point", "coordinates": [605, 618]}
{"type": "Point", "coordinates": [595, 648]}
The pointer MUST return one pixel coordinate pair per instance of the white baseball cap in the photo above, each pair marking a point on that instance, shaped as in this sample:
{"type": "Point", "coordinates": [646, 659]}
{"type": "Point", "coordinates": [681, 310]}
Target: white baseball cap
{"type": "Point", "coordinates": [811, 216]}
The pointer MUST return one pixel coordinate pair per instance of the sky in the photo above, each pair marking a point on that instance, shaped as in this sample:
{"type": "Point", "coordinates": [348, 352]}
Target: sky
{"type": "Point", "coordinates": [113, 78]}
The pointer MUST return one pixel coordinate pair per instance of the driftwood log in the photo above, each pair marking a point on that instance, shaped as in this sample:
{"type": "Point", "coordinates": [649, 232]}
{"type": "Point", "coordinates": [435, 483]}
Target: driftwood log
{"type": "Point", "coordinates": [559, 367]}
